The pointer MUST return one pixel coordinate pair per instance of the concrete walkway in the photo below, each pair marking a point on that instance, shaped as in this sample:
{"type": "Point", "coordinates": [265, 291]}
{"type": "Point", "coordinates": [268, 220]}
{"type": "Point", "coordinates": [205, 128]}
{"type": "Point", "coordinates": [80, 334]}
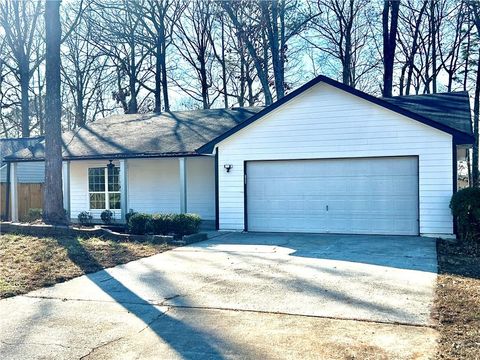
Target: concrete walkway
{"type": "Point", "coordinates": [269, 296]}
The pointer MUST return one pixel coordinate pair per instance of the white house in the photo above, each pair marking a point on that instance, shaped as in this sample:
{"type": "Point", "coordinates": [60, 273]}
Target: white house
{"type": "Point", "coordinates": [326, 158]}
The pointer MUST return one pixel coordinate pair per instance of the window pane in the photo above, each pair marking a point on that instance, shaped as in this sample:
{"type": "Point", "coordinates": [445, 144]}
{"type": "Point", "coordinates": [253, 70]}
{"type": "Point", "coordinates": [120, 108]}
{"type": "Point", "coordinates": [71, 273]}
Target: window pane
{"type": "Point", "coordinates": [114, 201]}
{"type": "Point", "coordinates": [114, 179]}
{"type": "Point", "coordinates": [96, 179]}
{"type": "Point", "coordinates": [97, 201]}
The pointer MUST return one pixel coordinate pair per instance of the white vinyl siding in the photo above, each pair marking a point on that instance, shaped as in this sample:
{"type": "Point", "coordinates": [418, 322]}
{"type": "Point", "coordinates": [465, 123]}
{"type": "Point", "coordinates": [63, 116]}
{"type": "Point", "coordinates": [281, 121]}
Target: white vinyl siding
{"type": "Point", "coordinates": [28, 172]}
{"type": "Point", "coordinates": [153, 186]}
{"type": "Point", "coordinates": [326, 123]}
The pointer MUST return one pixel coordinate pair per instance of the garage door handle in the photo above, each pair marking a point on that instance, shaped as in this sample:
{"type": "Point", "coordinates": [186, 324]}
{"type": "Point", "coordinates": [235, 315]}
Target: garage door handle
{"type": "Point", "coordinates": [326, 207]}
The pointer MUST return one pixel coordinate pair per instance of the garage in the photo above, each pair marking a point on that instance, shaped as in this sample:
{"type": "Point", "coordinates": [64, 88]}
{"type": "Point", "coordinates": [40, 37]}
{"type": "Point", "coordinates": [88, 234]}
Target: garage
{"type": "Point", "coordinates": [350, 196]}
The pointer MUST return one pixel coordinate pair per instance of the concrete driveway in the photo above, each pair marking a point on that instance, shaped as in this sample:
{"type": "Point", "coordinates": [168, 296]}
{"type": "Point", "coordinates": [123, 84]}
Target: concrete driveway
{"type": "Point", "coordinates": [268, 296]}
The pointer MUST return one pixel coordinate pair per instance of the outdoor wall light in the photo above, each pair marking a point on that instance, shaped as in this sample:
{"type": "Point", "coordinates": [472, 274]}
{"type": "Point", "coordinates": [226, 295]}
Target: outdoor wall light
{"type": "Point", "coordinates": [110, 165]}
{"type": "Point", "coordinates": [228, 167]}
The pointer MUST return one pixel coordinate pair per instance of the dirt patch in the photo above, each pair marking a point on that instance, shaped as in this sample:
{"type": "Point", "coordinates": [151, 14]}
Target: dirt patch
{"type": "Point", "coordinates": [28, 263]}
{"type": "Point", "coordinates": [457, 304]}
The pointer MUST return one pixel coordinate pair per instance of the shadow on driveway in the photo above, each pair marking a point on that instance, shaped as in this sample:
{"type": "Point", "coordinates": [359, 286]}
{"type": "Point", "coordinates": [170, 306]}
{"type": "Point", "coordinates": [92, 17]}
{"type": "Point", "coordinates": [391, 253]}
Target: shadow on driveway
{"type": "Point", "coordinates": [182, 334]}
{"type": "Point", "coordinates": [401, 252]}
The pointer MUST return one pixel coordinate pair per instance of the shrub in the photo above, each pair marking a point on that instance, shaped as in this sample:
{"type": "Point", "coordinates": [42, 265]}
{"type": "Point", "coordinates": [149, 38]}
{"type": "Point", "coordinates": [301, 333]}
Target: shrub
{"type": "Point", "coordinates": [164, 224]}
{"type": "Point", "coordinates": [178, 224]}
{"type": "Point", "coordinates": [107, 216]}
{"type": "Point", "coordinates": [129, 215]}
{"type": "Point", "coordinates": [85, 218]}
{"type": "Point", "coordinates": [465, 205]}
{"type": "Point", "coordinates": [185, 224]}
{"type": "Point", "coordinates": [34, 214]}
{"type": "Point", "coordinates": [139, 223]}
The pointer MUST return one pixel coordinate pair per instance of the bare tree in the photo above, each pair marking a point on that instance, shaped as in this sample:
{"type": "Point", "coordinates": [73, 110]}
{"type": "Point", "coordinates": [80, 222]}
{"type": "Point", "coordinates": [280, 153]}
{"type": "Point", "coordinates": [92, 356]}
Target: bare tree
{"type": "Point", "coordinates": [390, 27]}
{"type": "Point", "coordinates": [193, 42]}
{"type": "Point", "coordinates": [343, 32]}
{"type": "Point", "coordinates": [53, 211]}
{"type": "Point", "coordinates": [475, 8]}
{"type": "Point", "coordinates": [117, 32]}
{"type": "Point", "coordinates": [19, 20]}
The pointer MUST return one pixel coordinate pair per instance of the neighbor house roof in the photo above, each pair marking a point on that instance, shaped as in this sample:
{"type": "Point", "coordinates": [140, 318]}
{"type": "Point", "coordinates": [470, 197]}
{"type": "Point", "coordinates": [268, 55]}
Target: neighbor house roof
{"type": "Point", "coordinates": [451, 109]}
{"type": "Point", "coordinates": [144, 135]}
{"type": "Point", "coordinates": [449, 112]}
{"type": "Point", "coordinates": [10, 146]}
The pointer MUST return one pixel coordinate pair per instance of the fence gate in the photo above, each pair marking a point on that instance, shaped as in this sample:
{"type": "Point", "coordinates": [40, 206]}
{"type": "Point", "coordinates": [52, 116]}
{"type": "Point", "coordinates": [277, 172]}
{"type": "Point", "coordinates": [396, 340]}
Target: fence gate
{"type": "Point", "coordinates": [30, 196]}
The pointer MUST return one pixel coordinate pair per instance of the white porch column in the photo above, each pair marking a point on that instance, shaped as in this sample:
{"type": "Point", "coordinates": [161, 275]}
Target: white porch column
{"type": "Point", "coordinates": [14, 192]}
{"type": "Point", "coordinates": [124, 187]}
{"type": "Point", "coordinates": [66, 186]}
{"type": "Point", "coordinates": [183, 184]}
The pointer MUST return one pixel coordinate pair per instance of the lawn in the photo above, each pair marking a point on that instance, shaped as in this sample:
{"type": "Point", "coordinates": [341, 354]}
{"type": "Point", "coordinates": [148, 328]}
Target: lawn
{"type": "Point", "coordinates": [457, 307]}
{"type": "Point", "coordinates": [28, 263]}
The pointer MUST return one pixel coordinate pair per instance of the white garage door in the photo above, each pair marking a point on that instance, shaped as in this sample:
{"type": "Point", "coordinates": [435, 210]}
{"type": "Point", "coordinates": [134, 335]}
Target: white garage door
{"type": "Point", "coordinates": [350, 196]}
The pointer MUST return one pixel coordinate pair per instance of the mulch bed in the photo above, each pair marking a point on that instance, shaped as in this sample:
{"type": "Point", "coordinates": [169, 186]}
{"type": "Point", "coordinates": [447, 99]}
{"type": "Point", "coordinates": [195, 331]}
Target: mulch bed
{"type": "Point", "coordinates": [457, 305]}
{"type": "Point", "coordinates": [28, 262]}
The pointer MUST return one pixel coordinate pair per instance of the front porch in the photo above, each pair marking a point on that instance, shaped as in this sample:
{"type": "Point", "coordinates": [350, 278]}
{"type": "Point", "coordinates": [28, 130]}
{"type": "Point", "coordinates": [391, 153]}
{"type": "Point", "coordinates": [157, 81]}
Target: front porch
{"type": "Point", "coordinates": [149, 185]}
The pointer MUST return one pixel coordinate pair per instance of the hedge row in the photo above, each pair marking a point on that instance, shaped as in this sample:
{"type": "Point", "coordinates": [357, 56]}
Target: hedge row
{"type": "Point", "coordinates": [163, 224]}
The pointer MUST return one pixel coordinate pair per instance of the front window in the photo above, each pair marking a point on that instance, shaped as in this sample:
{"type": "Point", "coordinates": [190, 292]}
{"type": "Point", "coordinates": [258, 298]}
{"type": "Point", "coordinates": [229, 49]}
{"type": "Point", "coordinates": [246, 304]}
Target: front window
{"type": "Point", "coordinates": [104, 188]}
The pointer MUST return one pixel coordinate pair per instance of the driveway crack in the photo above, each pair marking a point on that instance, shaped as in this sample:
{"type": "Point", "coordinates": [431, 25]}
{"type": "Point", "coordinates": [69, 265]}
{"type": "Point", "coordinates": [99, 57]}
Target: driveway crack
{"type": "Point", "coordinates": [100, 346]}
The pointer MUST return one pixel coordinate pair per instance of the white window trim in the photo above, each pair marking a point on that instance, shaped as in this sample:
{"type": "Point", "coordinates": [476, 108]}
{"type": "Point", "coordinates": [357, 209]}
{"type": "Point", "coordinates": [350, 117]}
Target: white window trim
{"type": "Point", "coordinates": [106, 192]}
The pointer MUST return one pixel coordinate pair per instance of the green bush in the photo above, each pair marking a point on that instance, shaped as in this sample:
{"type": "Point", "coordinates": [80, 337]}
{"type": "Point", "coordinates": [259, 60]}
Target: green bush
{"type": "Point", "coordinates": [129, 215]}
{"type": "Point", "coordinates": [164, 224]}
{"type": "Point", "coordinates": [107, 217]}
{"type": "Point", "coordinates": [34, 214]}
{"type": "Point", "coordinates": [465, 205]}
{"type": "Point", "coordinates": [185, 224]}
{"type": "Point", "coordinates": [85, 218]}
{"type": "Point", "coordinates": [139, 224]}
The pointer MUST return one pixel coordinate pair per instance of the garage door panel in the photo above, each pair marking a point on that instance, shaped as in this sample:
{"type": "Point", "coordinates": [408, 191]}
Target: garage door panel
{"type": "Point", "coordinates": [365, 196]}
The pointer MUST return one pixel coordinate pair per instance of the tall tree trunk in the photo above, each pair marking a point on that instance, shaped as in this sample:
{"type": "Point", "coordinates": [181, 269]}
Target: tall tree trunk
{"type": "Point", "coordinates": [224, 68]}
{"type": "Point", "coordinates": [204, 80]}
{"type": "Point", "coordinates": [390, 26]}
{"type": "Point", "coordinates": [270, 13]}
{"type": "Point", "coordinates": [158, 77]}
{"type": "Point", "coordinates": [163, 61]}
{"type": "Point", "coordinates": [132, 81]}
{"type": "Point", "coordinates": [434, 46]}
{"type": "Point", "coordinates": [53, 211]}
{"type": "Point", "coordinates": [25, 101]}
{"type": "Point", "coordinates": [80, 110]}
{"type": "Point", "coordinates": [476, 119]}
{"type": "Point", "coordinates": [262, 71]}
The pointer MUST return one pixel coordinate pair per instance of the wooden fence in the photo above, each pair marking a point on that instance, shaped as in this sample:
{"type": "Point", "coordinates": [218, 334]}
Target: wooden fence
{"type": "Point", "coordinates": [30, 196]}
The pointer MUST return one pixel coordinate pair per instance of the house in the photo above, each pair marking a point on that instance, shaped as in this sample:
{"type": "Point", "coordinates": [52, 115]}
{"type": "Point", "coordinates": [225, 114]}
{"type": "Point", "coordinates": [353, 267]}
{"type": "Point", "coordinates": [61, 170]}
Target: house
{"type": "Point", "coordinates": [28, 172]}
{"type": "Point", "coordinates": [326, 158]}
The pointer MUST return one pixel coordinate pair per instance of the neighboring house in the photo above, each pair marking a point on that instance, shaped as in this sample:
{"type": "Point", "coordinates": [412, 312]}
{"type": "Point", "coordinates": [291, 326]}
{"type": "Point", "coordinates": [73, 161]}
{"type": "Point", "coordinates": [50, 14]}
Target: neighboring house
{"type": "Point", "coordinates": [326, 158]}
{"type": "Point", "coordinates": [30, 172]}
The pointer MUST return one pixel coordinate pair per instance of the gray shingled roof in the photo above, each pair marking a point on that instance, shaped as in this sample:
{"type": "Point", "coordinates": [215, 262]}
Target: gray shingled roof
{"type": "Point", "coordinates": [12, 145]}
{"type": "Point", "coordinates": [183, 132]}
{"type": "Point", "coordinates": [144, 135]}
{"type": "Point", "coordinates": [450, 109]}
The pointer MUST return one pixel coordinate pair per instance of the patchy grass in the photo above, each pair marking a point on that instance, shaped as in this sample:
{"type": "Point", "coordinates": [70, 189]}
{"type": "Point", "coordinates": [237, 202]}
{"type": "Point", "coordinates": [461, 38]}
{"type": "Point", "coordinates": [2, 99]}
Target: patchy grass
{"type": "Point", "coordinates": [28, 263]}
{"type": "Point", "coordinates": [457, 306]}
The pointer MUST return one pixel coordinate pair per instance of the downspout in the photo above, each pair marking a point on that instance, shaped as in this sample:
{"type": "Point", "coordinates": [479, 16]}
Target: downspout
{"type": "Point", "coordinates": [455, 178]}
{"type": "Point", "coordinates": [217, 209]}
{"type": "Point", "coordinates": [7, 193]}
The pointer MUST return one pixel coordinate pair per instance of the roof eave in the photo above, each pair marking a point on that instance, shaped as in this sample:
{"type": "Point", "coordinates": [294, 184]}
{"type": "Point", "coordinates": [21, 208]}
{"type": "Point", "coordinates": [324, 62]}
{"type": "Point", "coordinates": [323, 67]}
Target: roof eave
{"type": "Point", "coordinates": [110, 157]}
